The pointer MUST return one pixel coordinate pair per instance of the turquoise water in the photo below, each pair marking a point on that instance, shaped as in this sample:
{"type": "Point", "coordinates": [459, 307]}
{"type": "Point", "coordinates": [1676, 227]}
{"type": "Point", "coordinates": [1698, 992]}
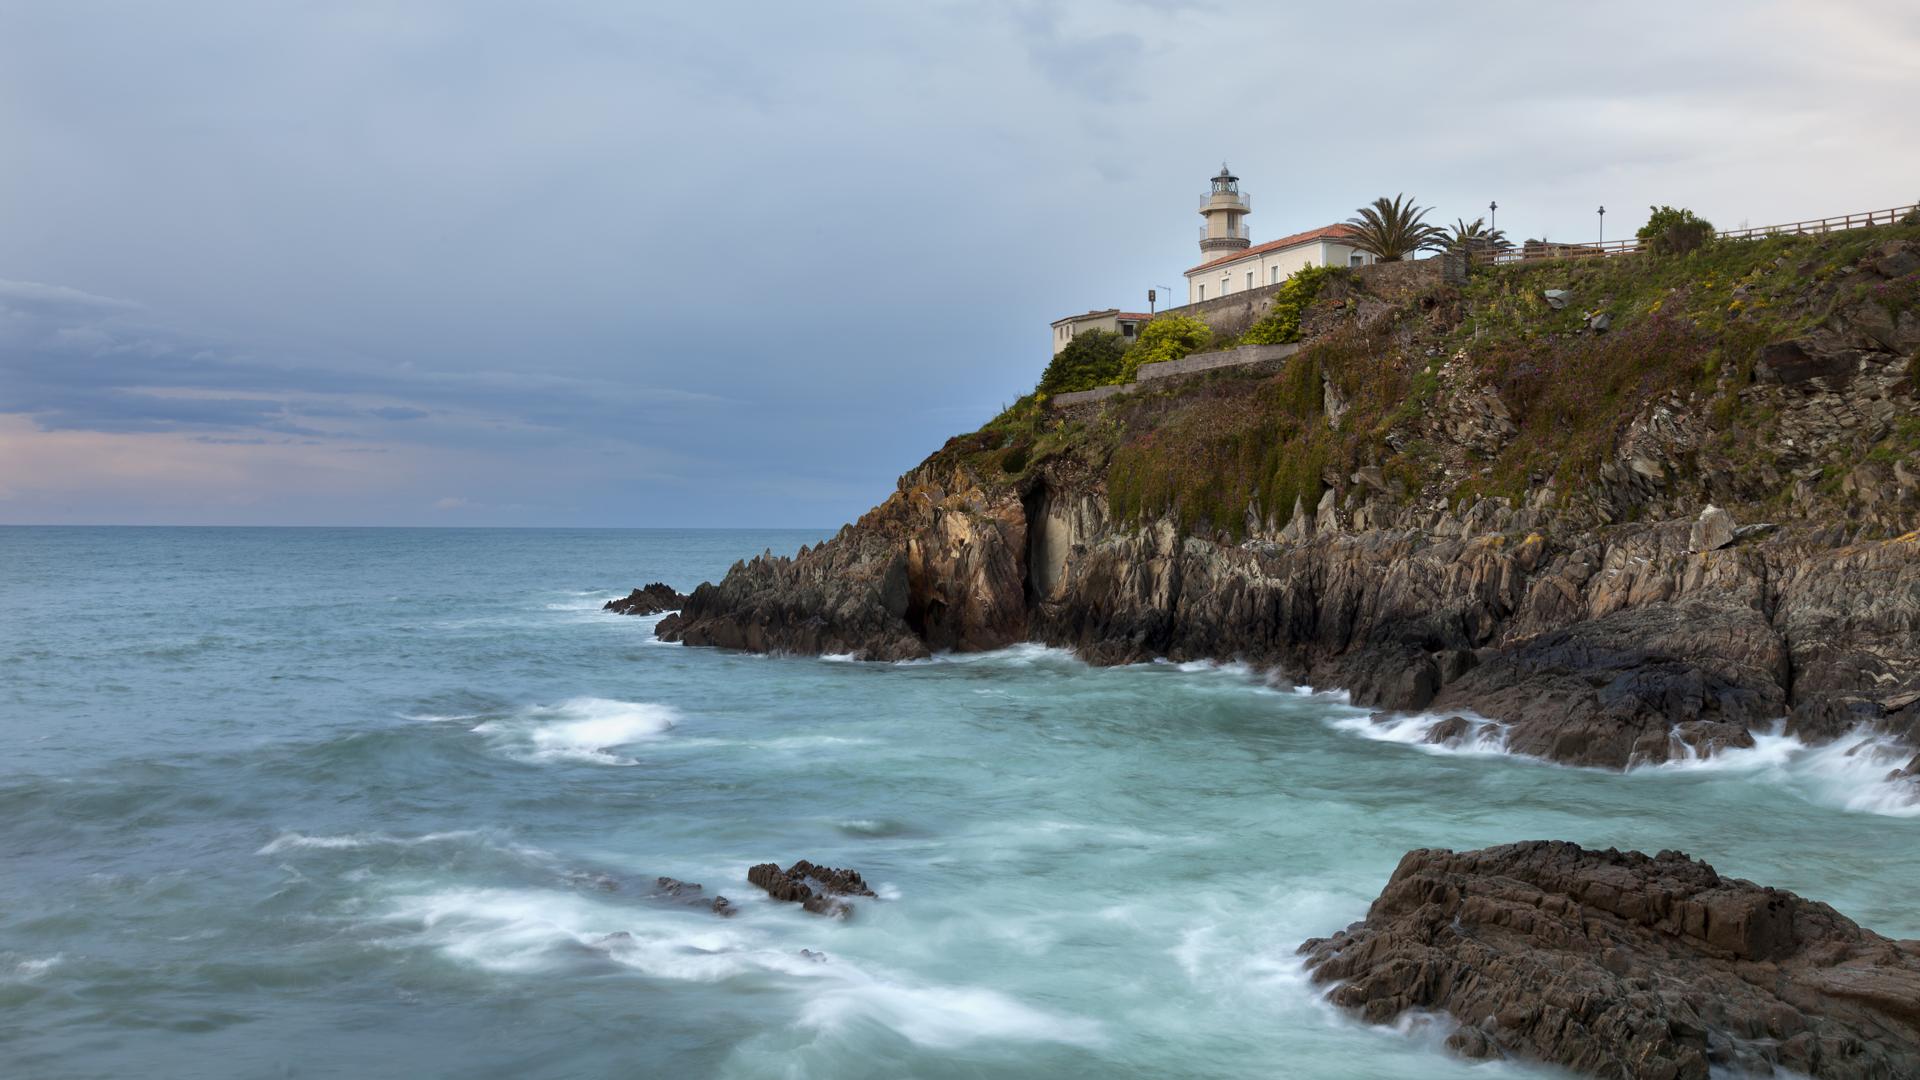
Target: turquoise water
{"type": "Point", "coordinates": [377, 802]}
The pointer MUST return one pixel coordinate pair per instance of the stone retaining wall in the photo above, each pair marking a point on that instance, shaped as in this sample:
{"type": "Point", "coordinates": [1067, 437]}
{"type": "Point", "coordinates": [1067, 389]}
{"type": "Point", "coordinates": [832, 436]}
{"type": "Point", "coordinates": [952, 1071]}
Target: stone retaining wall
{"type": "Point", "coordinates": [1207, 361]}
{"type": "Point", "coordinates": [1188, 365]}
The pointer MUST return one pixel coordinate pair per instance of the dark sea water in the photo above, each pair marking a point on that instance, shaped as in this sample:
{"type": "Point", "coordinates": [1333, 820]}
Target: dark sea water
{"type": "Point", "coordinates": [389, 803]}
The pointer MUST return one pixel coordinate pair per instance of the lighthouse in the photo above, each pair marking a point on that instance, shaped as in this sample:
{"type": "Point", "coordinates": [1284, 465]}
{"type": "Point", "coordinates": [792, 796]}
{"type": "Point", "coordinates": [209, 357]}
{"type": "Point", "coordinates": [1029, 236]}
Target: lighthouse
{"type": "Point", "coordinates": [1225, 208]}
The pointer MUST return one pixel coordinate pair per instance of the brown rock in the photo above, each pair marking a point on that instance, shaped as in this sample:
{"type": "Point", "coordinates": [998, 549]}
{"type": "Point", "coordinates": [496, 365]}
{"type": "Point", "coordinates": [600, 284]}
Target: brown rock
{"type": "Point", "coordinates": [1615, 964]}
{"type": "Point", "coordinates": [651, 600]}
{"type": "Point", "coordinates": [815, 888]}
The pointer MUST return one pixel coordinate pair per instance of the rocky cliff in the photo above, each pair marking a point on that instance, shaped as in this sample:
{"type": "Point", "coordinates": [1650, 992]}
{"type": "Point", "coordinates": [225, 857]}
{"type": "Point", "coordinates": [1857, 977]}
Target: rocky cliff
{"type": "Point", "coordinates": [1638, 519]}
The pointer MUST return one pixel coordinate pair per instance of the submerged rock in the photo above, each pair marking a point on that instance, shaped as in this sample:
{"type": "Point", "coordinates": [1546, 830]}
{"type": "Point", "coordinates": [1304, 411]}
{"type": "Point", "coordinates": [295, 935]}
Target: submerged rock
{"type": "Point", "coordinates": [651, 600]}
{"type": "Point", "coordinates": [821, 896]}
{"type": "Point", "coordinates": [1617, 964]}
{"type": "Point", "coordinates": [692, 892]}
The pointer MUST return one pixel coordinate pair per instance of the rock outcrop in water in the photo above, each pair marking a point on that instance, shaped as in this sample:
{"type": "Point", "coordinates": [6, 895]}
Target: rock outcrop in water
{"type": "Point", "coordinates": [1615, 964]}
{"type": "Point", "coordinates": [649, 600]}
{"type": "Point", "coordinates": [816, 888]}
{"type": "Point", "coordinates": [1535, 524]}
{"type": "Point", "coordinates": [694, 894]}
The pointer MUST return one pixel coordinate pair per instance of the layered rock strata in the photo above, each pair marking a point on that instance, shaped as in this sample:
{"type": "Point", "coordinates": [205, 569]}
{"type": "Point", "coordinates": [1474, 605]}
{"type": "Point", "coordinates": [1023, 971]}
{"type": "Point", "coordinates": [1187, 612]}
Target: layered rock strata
{"type": "Point", "coordinates": [1616, 964]}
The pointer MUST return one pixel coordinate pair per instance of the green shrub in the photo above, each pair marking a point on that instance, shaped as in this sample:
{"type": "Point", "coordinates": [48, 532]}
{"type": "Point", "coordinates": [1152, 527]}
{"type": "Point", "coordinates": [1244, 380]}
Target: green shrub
{"type": "Point", "coordinates": [1167, 337]}
{"type": "Point", "coordinates": [1911, 217]}
{"type": "Point", "coordinates": [1282, 322]}
{"type": "Point", "coordinates": [1674, 231]}
{"type": "Point", "coordinates": [1092, 359]}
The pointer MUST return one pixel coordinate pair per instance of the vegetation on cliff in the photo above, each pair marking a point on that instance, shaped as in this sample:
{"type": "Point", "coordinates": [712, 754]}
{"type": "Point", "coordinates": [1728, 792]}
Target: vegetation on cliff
{"type": "Point", "coordinates": [1699, 338]}
{"type": "Point", "coordinates": [1092, 359]}
{"type": "Point", "coordinates": [1507, 499]}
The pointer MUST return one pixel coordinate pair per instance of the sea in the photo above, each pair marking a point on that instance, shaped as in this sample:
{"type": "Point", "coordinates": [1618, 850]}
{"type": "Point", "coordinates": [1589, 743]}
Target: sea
{"type": "Point", "coordinates": [393, 803]}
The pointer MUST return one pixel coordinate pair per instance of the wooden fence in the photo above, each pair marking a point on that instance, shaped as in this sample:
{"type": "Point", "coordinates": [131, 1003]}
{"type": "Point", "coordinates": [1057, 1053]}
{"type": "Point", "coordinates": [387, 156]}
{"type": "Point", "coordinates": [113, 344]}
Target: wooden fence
{"type": "Point", "coordinates": [1540, 249]}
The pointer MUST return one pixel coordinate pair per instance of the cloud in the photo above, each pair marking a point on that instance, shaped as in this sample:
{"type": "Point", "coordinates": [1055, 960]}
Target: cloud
{"type": "Point", "coordinates": [645, 264]}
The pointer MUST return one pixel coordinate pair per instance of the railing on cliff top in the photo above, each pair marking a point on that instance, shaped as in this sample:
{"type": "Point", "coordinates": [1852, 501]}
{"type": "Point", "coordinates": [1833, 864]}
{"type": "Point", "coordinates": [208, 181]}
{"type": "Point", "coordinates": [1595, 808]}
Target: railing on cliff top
{"type": "Point", "coordinates": [1540, 249]}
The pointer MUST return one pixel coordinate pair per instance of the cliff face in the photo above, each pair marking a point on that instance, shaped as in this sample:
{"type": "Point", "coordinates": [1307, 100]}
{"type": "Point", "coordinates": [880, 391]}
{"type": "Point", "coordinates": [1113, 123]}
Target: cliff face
{"type": "Point", "coordinates": [1456, 500]}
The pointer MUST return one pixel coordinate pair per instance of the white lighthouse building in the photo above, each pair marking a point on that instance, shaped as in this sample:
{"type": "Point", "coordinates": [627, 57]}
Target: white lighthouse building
{"type": "Point", "coordinates": [1230, 262]}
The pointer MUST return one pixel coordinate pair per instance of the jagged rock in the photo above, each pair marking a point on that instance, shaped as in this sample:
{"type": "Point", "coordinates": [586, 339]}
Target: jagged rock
{"type": "Point", "coordinates": [651, 600]}
{"type": "Point", "coordinates": [1599, 322]}
{"type": "Point", "coordinates": [1713, 531]}
{"type": "Point", "coordinates": [1615, 964]}
{"type": "Point", "coordinates": [815, 888]}
{"type": "Point", "coordinates": [1557, 298]}
{"type": "Point", "coordinates": [1618, 689]}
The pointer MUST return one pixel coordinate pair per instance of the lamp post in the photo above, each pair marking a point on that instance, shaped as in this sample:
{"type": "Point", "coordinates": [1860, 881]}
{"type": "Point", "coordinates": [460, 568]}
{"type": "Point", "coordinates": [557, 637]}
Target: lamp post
{"type": "Point", "coordinates": [1603, 225]}
{"type": "Point", "coordinates": [1493, 220]}
{"type": "Point", "coordinates": [1168, 289]}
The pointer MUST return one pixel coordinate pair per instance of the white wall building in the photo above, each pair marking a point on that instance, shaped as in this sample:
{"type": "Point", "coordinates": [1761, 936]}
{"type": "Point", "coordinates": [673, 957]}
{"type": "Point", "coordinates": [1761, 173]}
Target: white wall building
{"type": "Point", "coordinates": [1231, 262]}
{"type": "Point", "coordinates": [1125, 323]}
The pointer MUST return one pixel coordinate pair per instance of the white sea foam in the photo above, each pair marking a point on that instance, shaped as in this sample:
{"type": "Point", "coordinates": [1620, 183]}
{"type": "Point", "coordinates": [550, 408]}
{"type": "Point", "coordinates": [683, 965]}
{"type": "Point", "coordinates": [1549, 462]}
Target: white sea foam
{"type": "Point", "coordinates": [1484, 737]}
{"type": "Point", "coordinates": [1850, 772]}
{"type": "Point", "coordinates": [522, 931]}
{"type": "Point", "coordinates": [293, 841]}
{"type": "Point", "coordinates": [589, 600]}
{"type": "Point", "coordinates": [1026, 654]}
{"type": "Point", "coordinates": [581, 729]}
{"type": "Point", "coordinates": [32, 968]}
{"type": "Point", "coordinates": [941, 1017]}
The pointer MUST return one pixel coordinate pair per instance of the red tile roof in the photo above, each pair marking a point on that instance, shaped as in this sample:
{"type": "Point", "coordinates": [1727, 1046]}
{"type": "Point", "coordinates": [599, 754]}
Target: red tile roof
{"type": "Point", "coordinates": [1325, 232]}
{"type": "Point", "coordinates": [1135, 315]}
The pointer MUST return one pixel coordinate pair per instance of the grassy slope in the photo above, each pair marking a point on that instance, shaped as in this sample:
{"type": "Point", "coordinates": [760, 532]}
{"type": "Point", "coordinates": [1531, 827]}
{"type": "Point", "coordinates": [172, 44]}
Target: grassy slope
{"type": "Point", "coordinates": [1203, 449]}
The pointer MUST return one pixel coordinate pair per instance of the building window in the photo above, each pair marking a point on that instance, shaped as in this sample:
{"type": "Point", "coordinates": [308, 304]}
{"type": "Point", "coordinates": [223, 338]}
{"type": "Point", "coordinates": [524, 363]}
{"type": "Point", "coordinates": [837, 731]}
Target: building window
{"type": "Point", "coordinates": [1249, 279]}
{"type": "Point", "coordinates": [1203, 292]}
{"type": "Point", "coordinates": [1276, 276]}
{"type": "Point", "coordinates": [1356, 259]}
{"type": "Point", "coordinates": [1126, 329]}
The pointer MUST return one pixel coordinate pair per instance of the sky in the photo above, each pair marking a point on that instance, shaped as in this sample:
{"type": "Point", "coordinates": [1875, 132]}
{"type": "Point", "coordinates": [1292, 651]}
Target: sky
{"type": "Point", "coordinates": [595, 263]}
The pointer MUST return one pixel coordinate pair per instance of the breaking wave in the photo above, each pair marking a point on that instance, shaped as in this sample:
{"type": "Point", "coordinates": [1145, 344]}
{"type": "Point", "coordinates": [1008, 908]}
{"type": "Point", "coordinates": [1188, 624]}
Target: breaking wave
{"type": "Point", "coordinates": [1853, 772]}
{"type": "Point", "coordinates": [523, 931]}
{"type": "Point", "coordinates": [584, 729]}
{"type": "Point", "coordinates": [1469, 734]}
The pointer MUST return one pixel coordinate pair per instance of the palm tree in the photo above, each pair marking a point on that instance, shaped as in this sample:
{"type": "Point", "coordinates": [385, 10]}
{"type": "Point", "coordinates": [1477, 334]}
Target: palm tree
{"type": "Point", "coordinates": [1393, 230]}
{"type": "Point", "coordinates": [1477, 237]}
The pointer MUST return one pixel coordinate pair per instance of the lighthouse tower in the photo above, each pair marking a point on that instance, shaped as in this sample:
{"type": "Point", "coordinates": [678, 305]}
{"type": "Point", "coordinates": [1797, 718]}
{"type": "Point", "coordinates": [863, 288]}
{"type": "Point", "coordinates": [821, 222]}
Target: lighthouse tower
{"type": "Point", "coordinates": [1226, 210]}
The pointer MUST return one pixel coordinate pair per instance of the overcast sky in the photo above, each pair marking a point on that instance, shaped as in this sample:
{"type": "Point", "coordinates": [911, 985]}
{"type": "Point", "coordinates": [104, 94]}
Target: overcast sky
{"type": "Point", "coordinates": [587, 262]}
